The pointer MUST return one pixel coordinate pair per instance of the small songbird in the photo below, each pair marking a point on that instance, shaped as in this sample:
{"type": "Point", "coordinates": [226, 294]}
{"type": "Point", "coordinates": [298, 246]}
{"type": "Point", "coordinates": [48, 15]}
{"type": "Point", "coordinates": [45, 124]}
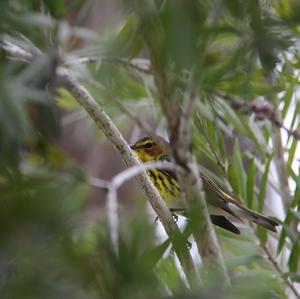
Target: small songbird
{"type": "Point", "coordinates": [221, 204]}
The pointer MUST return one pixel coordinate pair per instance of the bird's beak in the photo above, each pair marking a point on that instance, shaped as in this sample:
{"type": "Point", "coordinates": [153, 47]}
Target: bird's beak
{"type": "Point", "coordinates": [133, 146]}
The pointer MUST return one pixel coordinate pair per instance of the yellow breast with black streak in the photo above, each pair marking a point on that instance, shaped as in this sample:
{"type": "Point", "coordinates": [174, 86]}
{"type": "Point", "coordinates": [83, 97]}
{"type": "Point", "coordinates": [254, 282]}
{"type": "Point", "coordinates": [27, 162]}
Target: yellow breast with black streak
{"type": "Point", "coordinates": [166, 184]}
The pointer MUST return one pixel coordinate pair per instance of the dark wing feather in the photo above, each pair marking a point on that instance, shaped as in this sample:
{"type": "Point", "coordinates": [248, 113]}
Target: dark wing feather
{"type": "Point", "coordinates": [223, 222]}
{"type": "Point", "coordinates": [220, 221]}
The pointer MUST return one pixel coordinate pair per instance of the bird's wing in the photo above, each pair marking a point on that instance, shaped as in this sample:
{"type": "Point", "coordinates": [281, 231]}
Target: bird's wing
{"type": "Point", "coordinates": [228, 202]}
{"type": "Point", "coordinates": [223, 222]}
{"type": "Point", "coordinates": [223, 200]}
{"type": "Point", "coordinates": [219, 202]}
{"type": "Point", "coordinates": [226, 196]}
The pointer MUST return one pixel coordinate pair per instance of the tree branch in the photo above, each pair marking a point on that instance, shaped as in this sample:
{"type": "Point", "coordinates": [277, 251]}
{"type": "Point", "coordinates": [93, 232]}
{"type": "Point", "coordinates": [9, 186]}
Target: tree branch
{"type": "Point", "coordinates": [179, 119]}
{"type": "Point", "coordinates": [113, 135]}
{"type": "Point", "coordinates": [266, 110]}
{"type": "Point", "coordinates": [274, 263]}
{"type": "Point", "coordinates": [279, 152]}
{"type": "Point", "coordinates": [278, 269]}
{"type": "Point", "coordinates": [113, 186]}
{"type": "Point", "coordinates": [102, 120]}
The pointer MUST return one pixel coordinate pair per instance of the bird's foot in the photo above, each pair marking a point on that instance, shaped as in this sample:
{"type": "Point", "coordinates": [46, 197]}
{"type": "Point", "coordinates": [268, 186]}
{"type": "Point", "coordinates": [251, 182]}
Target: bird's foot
{"type": "Point", "coordinates": [189, 245]}
{"type": "Point", "coordinates": [175, 217]}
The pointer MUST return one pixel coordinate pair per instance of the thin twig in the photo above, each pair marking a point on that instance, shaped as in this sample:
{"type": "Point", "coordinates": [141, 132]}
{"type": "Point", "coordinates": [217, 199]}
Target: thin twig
{"type": "Point", "coordinates": [262, 110]}
{"type": "Point", "coordinates": [281, 170]}
{"type": "Point", "coordinates": [15, 51]}
{"type": "Point", "coordinates": [111, 207]}
{"type": "Point", "coordinates": [278, 150]}
{"type": "Point", "coordinates": [133, 171]}
{"type": "Point", "coordinates": [278, 269]}
{"type": "Point", "coordinates": [113, 186]}
{"type": "Point", "coordinates": [138, 64]}
{"type": "Point", "coordinates": [276, 266]}
{"type": "Point", "coordinates": [96, 182]}
{"type": "Point", "coordinates": [266, 110]}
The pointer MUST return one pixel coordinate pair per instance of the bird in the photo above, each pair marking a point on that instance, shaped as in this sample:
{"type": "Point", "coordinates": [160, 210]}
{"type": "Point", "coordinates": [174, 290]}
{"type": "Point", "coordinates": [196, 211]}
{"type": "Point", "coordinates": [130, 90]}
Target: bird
{"type": "Point", "coordinates": [223, 206]}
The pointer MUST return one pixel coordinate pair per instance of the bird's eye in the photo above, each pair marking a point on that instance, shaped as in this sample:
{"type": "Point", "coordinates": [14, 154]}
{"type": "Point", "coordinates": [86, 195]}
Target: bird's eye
{"type": "Point", "coordinates": [148, 145]}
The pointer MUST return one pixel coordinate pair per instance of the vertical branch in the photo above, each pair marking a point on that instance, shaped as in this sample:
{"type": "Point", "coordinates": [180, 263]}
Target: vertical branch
{"type": "Point", "coordinates": [153, 35]}
{"type": "Point", "coordinates": [281, 169]}
{"type": "Point", "coordinates": [179, 121]}
{"type": "Point", "coordinates": [113, 217]}
{"type": "Point", "coordinates": [282, 176]}
{"type": "Point", "coordinates": [279, 156]}
{"type": "Point", "coordinates": [205, 235]}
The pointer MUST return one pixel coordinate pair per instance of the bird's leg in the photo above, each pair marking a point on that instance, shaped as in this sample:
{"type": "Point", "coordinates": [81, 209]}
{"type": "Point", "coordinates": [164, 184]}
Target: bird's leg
{"type": "Point", "coordinates": [174, 212]}
{"type": "Point", "coordinates": [189, 245]}
{"type": "Point", "coordinates": [175, 217]}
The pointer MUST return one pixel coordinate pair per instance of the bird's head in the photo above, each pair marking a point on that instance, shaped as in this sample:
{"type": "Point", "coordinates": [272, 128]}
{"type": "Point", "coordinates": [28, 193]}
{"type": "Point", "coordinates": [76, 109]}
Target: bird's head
{"type": "Point", "coordinates": [147, 149]}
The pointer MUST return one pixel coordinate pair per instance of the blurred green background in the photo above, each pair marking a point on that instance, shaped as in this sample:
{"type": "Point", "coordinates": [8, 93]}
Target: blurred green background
{"type": "Point", "coordinates": [54, 240]}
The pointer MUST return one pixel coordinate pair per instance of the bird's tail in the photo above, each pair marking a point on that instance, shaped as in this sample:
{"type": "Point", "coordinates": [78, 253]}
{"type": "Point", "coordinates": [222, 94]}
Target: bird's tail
{"type": "Point", "coordinates": [259, 219]}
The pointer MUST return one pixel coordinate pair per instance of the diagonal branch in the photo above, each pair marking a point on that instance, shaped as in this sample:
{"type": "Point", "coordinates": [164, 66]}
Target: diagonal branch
{"type": "Point", "coordinates": [114, 136]}
{"type": "Point", "coordinates": [274, 263]}
{"type": "Point", "coordinates": [102, 120]}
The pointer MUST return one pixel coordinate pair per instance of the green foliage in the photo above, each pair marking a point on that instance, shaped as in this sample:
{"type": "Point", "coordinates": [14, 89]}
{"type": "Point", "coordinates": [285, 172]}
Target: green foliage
{"type": "Point", "coordinates": [232, 48]}
{"type": "Point", "coordinates": [65, 100]}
